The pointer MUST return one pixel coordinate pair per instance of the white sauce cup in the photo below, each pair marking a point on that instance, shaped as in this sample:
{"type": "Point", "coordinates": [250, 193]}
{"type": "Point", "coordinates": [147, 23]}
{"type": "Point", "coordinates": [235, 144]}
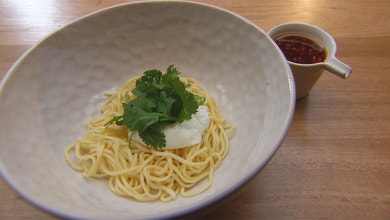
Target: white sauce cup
{"type": "Point", "coordinates": [306, 75]}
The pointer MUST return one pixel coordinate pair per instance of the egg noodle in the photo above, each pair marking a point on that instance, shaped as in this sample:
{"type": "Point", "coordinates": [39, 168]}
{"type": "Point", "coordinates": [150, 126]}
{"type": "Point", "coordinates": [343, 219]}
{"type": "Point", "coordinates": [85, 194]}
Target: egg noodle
{"type": "Point", "coordinates": [144, 173]}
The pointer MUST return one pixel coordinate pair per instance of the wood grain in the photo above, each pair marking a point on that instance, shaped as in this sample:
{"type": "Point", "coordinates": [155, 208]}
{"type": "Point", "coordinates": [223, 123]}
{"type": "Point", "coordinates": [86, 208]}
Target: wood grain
{"type": "Point", "coordinates": [335, 160]}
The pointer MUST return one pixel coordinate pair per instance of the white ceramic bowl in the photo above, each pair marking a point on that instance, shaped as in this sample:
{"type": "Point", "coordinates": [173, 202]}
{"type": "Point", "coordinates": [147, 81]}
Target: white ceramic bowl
{"type": "Point", "coordinates": [50, 91]}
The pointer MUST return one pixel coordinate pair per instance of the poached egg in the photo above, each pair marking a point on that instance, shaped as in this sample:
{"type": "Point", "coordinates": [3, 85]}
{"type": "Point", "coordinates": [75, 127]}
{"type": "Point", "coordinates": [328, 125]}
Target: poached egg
{"type": "Point", "coordinates": [187, 133]}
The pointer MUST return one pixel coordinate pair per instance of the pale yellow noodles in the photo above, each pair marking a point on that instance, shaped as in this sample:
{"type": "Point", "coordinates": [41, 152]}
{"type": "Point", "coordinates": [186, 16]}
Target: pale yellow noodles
{"type": "Point", "coordinates": [141, 172]}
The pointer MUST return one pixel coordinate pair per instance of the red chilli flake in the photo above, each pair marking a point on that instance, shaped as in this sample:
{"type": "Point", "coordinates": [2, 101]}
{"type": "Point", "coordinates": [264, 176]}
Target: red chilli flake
{"type": "Point", "coordinates": [299, 49]}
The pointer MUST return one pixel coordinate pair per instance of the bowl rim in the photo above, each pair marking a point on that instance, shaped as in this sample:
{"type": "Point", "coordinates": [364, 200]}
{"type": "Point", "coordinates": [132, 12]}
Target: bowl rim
{"type": "Point", "coordinates": [195, 207]}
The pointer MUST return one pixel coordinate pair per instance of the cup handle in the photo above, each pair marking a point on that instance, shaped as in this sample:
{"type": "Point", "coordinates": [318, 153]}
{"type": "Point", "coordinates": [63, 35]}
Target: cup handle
{"type": "Point", "coordinates": [337, 67]}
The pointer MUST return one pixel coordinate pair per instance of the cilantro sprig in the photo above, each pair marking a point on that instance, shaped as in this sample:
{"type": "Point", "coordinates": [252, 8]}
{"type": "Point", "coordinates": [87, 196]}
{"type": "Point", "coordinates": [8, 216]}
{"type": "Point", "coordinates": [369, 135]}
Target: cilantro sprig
{"type": "Point", "coordinates": [161, 99]}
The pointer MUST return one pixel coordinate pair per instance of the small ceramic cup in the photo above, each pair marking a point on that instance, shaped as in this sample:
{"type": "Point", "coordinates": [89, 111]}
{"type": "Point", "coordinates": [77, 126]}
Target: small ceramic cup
{"type": "Point", "coordinates": [306, 75]}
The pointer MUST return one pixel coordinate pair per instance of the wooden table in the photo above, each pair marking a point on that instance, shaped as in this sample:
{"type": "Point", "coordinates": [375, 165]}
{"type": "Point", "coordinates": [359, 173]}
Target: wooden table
{"type": "Point", "coordinates": [335, 160]}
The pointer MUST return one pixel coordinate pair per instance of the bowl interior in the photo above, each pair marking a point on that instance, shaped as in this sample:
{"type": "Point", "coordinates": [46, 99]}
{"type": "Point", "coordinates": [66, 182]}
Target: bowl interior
{"type": "Point", "coordinates": [50, 91]}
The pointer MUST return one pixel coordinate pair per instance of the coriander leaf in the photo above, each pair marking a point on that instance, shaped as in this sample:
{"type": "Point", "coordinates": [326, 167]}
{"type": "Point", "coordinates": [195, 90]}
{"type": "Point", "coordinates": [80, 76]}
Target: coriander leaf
{"type": "Point", "coordinates": [164, 106]}
{"type": "Point", "coordinates": [172, 72]}
{"type": "Point", "coordinates": [149, 84]}
{"type": "Point", "coordinates": [153, 136]}
{"type": "Point", "coordinates": [186, 104]}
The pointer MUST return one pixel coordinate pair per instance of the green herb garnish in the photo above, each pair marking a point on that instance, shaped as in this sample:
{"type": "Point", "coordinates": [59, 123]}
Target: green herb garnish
{"type": "Point", "coordinates": [161, 99]}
